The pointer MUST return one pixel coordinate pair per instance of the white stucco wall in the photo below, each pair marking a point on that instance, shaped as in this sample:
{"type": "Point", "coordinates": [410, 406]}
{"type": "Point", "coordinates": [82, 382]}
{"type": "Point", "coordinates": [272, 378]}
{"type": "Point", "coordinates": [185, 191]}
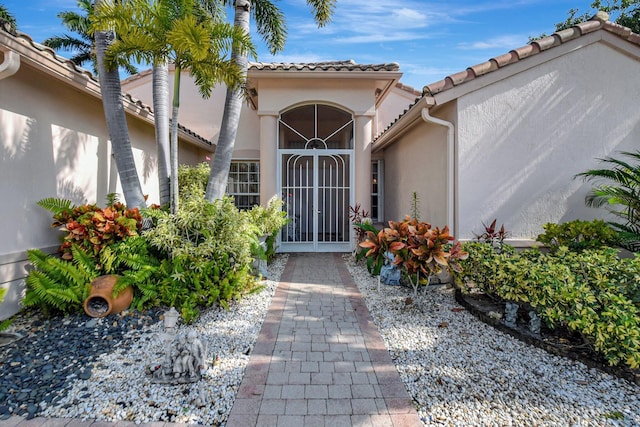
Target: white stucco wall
{"type": "Point", "coordinates": [203, 116]}
{"type": "Point", "coordinates": [396, 102]}
{"type": "Point", "coordinates": [54, 143]}
{"type": "Point", "coordinates": [522, 140]}
{"type": "Point", "coordinates": [417, 162]}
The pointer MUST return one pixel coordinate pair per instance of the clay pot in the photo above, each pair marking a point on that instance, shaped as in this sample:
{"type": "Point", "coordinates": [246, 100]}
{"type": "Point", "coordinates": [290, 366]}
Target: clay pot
{"type": "Point", "coordinates": [101, 302]}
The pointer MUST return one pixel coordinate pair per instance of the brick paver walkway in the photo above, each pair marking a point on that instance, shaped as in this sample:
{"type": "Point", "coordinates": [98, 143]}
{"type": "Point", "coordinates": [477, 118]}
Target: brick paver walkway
{"type": "Point", "coordinates": [319, 360]}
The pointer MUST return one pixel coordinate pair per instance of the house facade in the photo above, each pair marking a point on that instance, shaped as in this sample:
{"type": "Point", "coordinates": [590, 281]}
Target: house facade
{"type": "Point", "coordinates": [504, 139]}
{"type": "Point", "coordinates": [54, 143]}
{"type": "Point", "coordinates": [500, 140]}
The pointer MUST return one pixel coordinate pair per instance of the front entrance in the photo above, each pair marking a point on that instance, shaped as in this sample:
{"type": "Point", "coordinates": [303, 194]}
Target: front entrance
{"type": "Point", "coordinates": [315, 166]}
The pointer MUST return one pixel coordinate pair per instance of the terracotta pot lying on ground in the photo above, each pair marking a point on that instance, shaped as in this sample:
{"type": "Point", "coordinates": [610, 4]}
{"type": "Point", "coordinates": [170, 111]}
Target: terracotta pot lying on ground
{"type": "Point", "coordinates": [101, 302]}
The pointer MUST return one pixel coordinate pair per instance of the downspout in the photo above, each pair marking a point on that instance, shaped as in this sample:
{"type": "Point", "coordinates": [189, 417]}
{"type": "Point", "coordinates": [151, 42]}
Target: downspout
{"type": "Point", "coordinates": [10, 64]}
{"type": "Point", "coordinates": [450, 162]}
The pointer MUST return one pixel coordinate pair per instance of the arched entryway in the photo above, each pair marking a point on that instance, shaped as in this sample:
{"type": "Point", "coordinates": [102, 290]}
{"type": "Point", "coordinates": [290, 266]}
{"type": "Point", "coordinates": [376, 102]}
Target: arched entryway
{"type": "Point", "coordinates": [315, 166]}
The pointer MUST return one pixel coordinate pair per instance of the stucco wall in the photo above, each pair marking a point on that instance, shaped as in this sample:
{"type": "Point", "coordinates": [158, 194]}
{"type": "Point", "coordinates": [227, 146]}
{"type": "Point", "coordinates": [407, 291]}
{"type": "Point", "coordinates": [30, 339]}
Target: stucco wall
{"type": "Point", "coordinates": [393, 105]}
{"type": "Point", "coordinates": [417, 163]}
{"type": "Point", "coordinates": [204, 116]}
{"type": "Point", "coordinates": [522, 139]}
{"type": "Point", "coordinates": [54, 143]}
{"type": "Point", "coordinates": [357, 96]}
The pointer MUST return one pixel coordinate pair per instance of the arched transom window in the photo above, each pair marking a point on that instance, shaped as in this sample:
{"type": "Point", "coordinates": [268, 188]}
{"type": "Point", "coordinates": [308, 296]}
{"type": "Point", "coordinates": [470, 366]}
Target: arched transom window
{"type": "Point", "coordinates": [316, 126]}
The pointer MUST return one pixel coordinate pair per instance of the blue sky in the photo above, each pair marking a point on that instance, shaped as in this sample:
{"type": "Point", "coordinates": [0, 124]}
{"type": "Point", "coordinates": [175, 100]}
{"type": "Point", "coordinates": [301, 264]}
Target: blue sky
{"type": "Point", "coordinates": [429, 39]}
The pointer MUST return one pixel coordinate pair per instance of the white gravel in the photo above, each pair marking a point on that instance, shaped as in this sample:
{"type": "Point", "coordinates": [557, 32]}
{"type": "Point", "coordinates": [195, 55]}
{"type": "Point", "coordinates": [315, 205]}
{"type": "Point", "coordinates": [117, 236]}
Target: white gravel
{"type": "Point", "coordinates": [120, 390]}
{"type": "Point", "coordinates": [462, 372]}
{"type": "Point", "coordinates": [458, 370]}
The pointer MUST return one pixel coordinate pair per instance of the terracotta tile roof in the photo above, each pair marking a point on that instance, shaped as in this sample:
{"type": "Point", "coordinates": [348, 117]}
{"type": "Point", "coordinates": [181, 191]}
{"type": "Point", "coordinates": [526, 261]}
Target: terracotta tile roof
{"type": "Point", "coordinates": [599, 21]}
{"type": "Point", "coordinates": [348, 65]}
{"type": "Point", "coordinates": [25, 39]}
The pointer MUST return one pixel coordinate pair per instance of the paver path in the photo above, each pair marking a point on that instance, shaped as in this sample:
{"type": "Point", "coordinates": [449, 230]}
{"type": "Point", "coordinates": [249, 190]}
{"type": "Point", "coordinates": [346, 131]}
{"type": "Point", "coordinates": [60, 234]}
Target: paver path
{"type": "Point", "coordinates": [319, 359]}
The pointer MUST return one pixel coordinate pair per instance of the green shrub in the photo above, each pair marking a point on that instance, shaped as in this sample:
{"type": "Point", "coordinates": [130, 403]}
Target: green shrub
{"type": "Point", "coordinates": [579, 235]}
{"type": "Point", "coordinates": [618, 188]}
{"type": "Point", "coordinates": [268, 222]}
{"type": "Point", "coordinates": [206, 256]}
{"type": "Point", "coordinates": [91, 227]}
{"type": "Point", "coordinates": [58, 286]}
{"type": "Point", "coordinates": [592, 292]}
{"type": "Point", "coordinates": [192, 180]}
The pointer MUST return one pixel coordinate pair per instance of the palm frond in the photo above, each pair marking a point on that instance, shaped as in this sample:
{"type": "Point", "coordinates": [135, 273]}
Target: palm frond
{"type": "Point", "coordinates": [56, 205]}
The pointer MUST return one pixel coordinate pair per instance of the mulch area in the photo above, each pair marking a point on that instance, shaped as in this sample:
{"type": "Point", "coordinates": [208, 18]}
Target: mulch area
{"type": "Point", "coordinates": [560, 342]}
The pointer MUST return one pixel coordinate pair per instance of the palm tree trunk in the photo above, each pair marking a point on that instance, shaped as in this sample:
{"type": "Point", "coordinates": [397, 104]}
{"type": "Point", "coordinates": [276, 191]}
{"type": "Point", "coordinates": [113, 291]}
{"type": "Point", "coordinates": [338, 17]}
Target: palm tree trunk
{"type": "Point", "coordinates": [161, 117]}
{"type": "Point", "coordinates": [117, 123]}
{"type": "Point", "coordinates": [174, 140]}
{"type": "Point", "coordinates": [221, 161]}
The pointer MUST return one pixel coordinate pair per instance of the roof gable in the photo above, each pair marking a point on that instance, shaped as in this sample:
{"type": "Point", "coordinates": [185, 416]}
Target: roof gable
{"type": "Point", "coordinates": [598, 22]}
{"type": "Point", "coordinates": [63, 69]}
{"type": "Point", "coordinates": [457, 84]}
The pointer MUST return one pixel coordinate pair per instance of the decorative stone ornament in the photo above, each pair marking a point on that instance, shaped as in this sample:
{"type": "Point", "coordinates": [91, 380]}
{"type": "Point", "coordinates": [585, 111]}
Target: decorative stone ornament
{"type": "Point", "coordinates": [183, 363]}
{"type": "Point", "coordinates": [510, 314]}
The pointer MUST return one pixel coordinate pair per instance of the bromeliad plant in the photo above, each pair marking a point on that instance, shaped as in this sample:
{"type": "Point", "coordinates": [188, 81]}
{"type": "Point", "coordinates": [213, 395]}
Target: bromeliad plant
{"type": "Point", "coordinates": [419, 249]}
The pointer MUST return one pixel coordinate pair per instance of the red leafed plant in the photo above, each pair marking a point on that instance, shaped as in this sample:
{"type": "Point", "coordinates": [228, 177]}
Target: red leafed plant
{"type": "Point", "coordinates": [92, 227]}
{"type": "Point", "coordinates": [418, 248]}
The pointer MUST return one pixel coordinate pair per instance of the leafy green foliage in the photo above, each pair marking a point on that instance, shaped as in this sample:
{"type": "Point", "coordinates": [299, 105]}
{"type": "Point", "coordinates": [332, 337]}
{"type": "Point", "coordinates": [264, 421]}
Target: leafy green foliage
{"type": "Point", "coordinates": [56, 285]}
{"type": "Point", "coordinates": [268, 222]}
{"type": "Point", "coordinates": [592, 292]}
{"type": "Point", "coordinates": [578, 235]}
{"type": "Point", "coordinates": [206, 256]}
{"type": "Point", "coordinates": [91, 227]}
{"type": "Point", "coordinates": [618, 188]}
{"type": "Point", "coordinates": [418, 248]}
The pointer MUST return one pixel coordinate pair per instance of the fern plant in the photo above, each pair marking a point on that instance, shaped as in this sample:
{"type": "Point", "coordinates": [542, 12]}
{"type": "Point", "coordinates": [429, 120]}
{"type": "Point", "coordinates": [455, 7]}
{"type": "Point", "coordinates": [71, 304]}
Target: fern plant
{"type": "Point", "coordinates": [55, 285]}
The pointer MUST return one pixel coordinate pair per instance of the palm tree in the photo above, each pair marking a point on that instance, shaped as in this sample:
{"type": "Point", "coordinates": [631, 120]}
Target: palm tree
{"type": "Point", "coordinates": [184, 33]}
{"type": "Point", "coordinates": [7, 20]}
{"type": "Point", "coordinates": [83, 46]}
{"type": "Point", "coordinates": [618, 187]}
{"type": "Point", "coordinates": [270, 22]}
{"type": "Point", "coordinates": [115, 117]}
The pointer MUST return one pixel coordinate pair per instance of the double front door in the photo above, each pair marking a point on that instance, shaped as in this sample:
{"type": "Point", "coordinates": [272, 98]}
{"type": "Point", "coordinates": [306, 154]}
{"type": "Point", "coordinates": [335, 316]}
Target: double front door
{"type": "Point", "coordinates": [316, 188]}
{"type": "Point", "coordinates": [315, 164]}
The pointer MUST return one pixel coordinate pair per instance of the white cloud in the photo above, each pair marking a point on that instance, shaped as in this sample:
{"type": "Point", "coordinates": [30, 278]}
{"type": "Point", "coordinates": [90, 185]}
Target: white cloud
{"type": "Point", "coordinates": [505, 42]}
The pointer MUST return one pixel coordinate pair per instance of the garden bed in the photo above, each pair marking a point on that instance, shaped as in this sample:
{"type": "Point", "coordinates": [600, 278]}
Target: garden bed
{"type": "Point", "coordinates": [555, 341]}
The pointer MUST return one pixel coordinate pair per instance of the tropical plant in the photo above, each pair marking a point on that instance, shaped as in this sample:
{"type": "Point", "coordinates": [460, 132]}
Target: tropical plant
{"type": "Point", "coordinates": [492, 235]}
{"type": "Point", "coordinates": [7, 20]}
{"type": "Point", "coordinates": [82, 45]}
{"type": "Point", "coordinates": [270, 24]}
{"type": "Point", "coordinates": [268, 221]}
{"type": "Point", "coordinates": [206, 252]}
{"type": "Point", "coordinates": [56, 285]}
{"type": "Point", "coordinates": [90, 227]}
{"type": "Point", "coordinates": [357, 215]}
{"type": "Point", "coordinates": [578, 235]}
{"type": "Point", "coordinates": [618, 188]}
{"type": "Point", "coordinates": [417, 248]}
{"type": "Point", "coordinates": [593, 292]}
{"type": "Point", "coordinates": [184, 33]}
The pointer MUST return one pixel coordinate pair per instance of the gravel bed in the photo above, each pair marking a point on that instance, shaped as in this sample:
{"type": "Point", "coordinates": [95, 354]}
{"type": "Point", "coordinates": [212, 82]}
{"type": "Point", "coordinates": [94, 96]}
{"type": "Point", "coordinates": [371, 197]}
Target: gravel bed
{"type": "Point", "coordinates": [461, 372]}
{"type": "Point", "coordinates": [98, 367]}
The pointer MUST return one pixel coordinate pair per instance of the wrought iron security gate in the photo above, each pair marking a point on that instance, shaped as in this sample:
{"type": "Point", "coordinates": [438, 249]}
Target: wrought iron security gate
{"type": "Point", "coordinates": [315, 165]}
{"type": "Point", "coordinates": [317, 191]}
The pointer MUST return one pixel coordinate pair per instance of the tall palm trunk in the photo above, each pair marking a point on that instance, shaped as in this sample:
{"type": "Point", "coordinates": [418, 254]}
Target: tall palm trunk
{"type": "Point", "coordinates": [117, 123]}
{"type": "Point", "coordinates": [174, 139]}
{"type": "Point", "coordinates": [161, 117]}
{"type": "Point", "coordinates": [221, 161]}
